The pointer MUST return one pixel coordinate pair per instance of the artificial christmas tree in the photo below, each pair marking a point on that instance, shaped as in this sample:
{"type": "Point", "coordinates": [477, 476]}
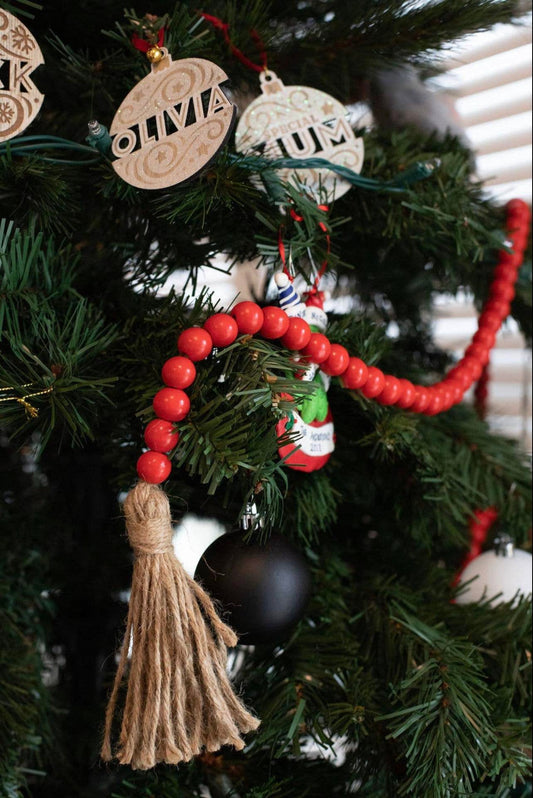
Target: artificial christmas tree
{"type": "Point", "coordinates": [380, 683]}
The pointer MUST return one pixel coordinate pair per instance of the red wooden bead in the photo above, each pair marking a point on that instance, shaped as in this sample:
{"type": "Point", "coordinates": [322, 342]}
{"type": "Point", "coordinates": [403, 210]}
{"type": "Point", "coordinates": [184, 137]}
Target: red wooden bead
{"type": "Point", "coordinates": [297, 336]}
{"type": "Point", "coordinates": [472, 366]}
{"type": "Point", "coordinates": [498, 306]}
{"type": "Point", "coordinates": [374, 384]}
{"type": "Point", "coordinates": [154, 467]}
{"type": "Point", "coordinates": [391, 392]}
{"type": "Point", "coordinates": [160, 436]}
{"type": "Point", "coordinates": [478, 352]}
{"type": "Point", "coordinates": [519, 240]}
{"type": "Point", "coordinates": [337, 362]}
{"type": "Point", "coordinates": [462, 376]}
{"type": "Point", "coordinates": [356, 374]}
{"type": "Point", "coordinates": [507, 272]}
{"type": "Point", "coordinates": [436, 402]}
{"type": "Point", "coordinates": [485, 337]}
{"type": "Point", "coordinates": [456, 389]}
{"type": "Point", "coordinates": [178, 372]}
{"type": "Point", "coordinates": [171, 404]}
{"type": "Point", "coordinates": [318, 349]}
{"type": "Point", "coordinates": [422, 399]}
{"type": "Point", "coordinates": [502, 289]}
{"type": "Point", "coordinates": [489, 320]}
{"type": "Point", "coordinates": [519, 208]}
{"type": "Point", "coordinates": [407, 395]}
{"type": "Point", "coordinates": [448, 396]}
{"type": "Point", "coordinates": [275, 322]}
{"type": "Point", "coordinates": [249, 317]}
{"type": "Point", "coordinates": [222, 328]}
{"type": "Point", "coordinates": [196, 343]}
{"type": "Point", "coordinates": [513, 259]}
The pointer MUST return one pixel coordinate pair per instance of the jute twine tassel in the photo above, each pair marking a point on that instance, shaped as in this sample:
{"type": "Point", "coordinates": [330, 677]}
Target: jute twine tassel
{"type": "Point", "coordinates": [179, 701]}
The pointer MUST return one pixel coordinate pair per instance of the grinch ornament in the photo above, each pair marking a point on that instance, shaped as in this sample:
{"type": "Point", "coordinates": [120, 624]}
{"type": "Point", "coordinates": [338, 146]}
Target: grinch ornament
{"type": "Point", "coordinates": [172, 123]}
{"type": "Point", "coordinates": [311, 427]}
{"type": "Point", "coordinates": [301, 122]}
{"type": "Point", "coordinates": [20, 55]}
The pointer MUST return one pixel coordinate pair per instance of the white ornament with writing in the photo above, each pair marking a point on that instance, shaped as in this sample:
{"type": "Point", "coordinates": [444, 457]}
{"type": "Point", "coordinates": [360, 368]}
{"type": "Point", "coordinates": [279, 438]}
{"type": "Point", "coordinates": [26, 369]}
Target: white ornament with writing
{"type": "Point", "coordinates": [301, 122]}
{"type": "Point", "coordinates": [172, 123]}
{"type": "Point", "coordinates": [20, 55]}
{"type": "Point", "coordinates": [501, 575]}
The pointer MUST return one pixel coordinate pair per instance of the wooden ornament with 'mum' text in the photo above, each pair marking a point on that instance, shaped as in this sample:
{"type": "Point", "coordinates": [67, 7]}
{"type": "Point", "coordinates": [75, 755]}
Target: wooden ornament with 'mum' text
{"type": "Point", "coordinates": [20, 55]}
{"type": "Point", "coordinates": [301, 122]}
{"type": "Point", "coordinates": [172, 123]}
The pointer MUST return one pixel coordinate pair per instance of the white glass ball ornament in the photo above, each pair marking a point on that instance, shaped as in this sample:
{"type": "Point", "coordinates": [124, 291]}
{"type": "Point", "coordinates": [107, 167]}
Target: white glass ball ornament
{"type": "Point", "coordinates": [502, 575]}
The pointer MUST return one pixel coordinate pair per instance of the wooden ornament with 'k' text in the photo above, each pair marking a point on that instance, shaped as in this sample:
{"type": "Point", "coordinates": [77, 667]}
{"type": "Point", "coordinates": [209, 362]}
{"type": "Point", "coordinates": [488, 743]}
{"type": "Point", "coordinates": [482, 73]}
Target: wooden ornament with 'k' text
{"type": "Point", "coordinates": [20, 55]}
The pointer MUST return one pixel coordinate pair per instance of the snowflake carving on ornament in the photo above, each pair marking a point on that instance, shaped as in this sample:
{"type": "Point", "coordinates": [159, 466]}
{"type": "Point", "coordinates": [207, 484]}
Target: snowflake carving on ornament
{"type": "Point", "coordinates": [6, 113]}
{"type": "Point", "coordinates": [23, 41]}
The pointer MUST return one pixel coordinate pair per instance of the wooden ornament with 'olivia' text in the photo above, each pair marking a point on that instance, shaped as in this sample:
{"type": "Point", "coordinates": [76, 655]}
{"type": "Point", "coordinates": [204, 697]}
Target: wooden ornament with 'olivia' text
{"type": "Point", "coordinates": [20, 55]}
{"type": "Point", "coordinates": [171, 124]}
{"type": "Point", "coordinates": [301, 122]}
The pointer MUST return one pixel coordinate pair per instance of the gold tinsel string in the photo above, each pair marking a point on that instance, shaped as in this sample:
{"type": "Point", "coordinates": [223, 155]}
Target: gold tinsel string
{"type": "Point", "coordinates": [31, 411]}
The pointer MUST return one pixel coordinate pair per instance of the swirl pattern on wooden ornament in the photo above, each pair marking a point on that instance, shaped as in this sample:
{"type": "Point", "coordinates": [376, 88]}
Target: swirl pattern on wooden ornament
{"type": "Point", "coordinates": [171, 124]}
{"type": "Point", "coordinates": [20, 55]}
{"type": "Point", "coordinates": [301, 122]}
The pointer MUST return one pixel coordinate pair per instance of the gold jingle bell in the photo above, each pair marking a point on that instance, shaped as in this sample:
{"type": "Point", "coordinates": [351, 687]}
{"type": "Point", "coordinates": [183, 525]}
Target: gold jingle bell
{"type": "Point", "coordinates": [154, 54]}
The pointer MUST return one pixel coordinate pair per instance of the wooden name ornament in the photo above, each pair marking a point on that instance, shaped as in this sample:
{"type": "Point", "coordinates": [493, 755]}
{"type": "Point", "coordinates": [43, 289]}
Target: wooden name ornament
{"type": "Point", "coordinates": [300, 122]}
{"type": "Point", "coordinates": [172, 123]}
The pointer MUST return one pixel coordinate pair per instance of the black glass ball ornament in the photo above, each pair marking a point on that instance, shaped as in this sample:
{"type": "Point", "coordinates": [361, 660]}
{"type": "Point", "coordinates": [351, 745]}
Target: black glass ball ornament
{"type": "Point", "coordinates": [263, 589]}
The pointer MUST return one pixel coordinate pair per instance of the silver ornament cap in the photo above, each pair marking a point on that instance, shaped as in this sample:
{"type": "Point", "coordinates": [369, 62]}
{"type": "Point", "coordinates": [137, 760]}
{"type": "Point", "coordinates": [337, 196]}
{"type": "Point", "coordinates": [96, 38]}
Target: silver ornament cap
{"type": "Point", "coordinates": [504, 546]}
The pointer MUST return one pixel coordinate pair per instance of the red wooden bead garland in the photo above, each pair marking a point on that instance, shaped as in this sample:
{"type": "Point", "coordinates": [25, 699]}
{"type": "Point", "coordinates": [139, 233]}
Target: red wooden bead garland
{"type": "Point", "coordinates": [485, 337]}
{"type": "Point", "coordinates": [478, 352]}
{"type": "Point", "coordinates": [196, 343]}
{"type": "Point", "coordinates": [374, 384]}
{"type": "Point", "coordinates": [172, 404]}
{"type": "Point", "coordinates": [298, 334]}
{"type": "Point", "coordinates": [249, 317]}
{"type": "Point", "coordinates": [160, 436]}
{"type": "Point", "coordinates": [407, 395]}
{"type": "Point", "coordinates": [154, 467]}
{"type": "Point", "coordinates": [489, 320]}
{"type": "Point", "coordinates": [422, 399]}
{"type": "Point", "coordinates": [222, 328]}
{"type": "Point", "coordinates": [391, 392]}
{"type": "Point", "coordinates": [275, 323]}
{"type": "Point", "coordinates": [355, 375]}
{"type": "Point", "coordinates": [318, 349]}
{"type": "Point", "coordinates": [337, 362]}
{"type": "Point", "coordinates": [178, 372]}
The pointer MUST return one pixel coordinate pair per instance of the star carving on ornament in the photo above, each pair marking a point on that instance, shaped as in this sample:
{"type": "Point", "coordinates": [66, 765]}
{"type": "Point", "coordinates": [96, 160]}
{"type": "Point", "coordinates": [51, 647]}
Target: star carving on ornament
{"type": "Point", "coordinates": [328, 108]}
{"type": "Point", "coordinates": [161, 156]}
{"type": "Point", "coordinates": [138, 96]}
{"type": "Point", "coordinates": [203, 149]}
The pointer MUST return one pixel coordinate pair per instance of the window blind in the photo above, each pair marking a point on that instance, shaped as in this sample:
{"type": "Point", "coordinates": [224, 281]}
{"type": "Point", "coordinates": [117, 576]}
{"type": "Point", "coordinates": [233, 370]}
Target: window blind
{"type": "Point", "coordinates": [489, 75]}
